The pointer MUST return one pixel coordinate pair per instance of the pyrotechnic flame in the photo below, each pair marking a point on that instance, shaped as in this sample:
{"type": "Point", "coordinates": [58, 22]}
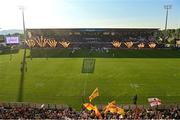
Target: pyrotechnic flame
{"type": "Point", "coordinates": [116, 44]}
{"type": "Point", "coordinates": [65, 44]}
{"type": "Point", "coordinates": [152, 45]}
{"type": "Point", "coordinates": [141, 45]}
{"type": "Point", "coordinates": [52, 43]}
{"type": "Point", "coordinates": [41, 41]}
{"type": "Point", "coordinates": [129, 44]}
{"type": "Point", "coordinates": [30, 43]}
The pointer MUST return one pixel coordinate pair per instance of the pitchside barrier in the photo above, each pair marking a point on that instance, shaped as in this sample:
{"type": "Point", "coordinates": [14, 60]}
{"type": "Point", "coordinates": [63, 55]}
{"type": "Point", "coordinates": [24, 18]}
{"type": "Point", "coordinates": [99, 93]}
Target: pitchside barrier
{"type": "Point", "coordinates": [9, 51]}
{"type": "Point", "coordinates": [33, 105]}
{"type": "Point", "coordinates": [52, 106]}
{"type": "Point", "coordinates": [112, 53]}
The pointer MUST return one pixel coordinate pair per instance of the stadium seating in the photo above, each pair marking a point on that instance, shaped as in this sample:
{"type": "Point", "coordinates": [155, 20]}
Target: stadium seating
{"type": "Point", "coordinates": [29, 112]}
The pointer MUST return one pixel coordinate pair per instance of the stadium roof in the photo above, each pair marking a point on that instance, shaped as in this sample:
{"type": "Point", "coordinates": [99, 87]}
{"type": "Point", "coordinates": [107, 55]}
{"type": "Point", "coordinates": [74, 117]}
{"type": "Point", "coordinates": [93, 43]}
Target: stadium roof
{"type": "Point", "coordinates": [94, 29]}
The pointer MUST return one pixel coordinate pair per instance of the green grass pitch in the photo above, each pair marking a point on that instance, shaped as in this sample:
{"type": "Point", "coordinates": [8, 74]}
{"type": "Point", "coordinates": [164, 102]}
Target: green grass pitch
{"type": "Point", "coordinates": [61, 81]}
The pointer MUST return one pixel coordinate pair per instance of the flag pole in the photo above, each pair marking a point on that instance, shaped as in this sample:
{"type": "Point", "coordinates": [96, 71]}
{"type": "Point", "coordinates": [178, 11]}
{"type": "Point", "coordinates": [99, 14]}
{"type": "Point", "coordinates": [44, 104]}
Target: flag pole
{"type": "Point", "coordinates": [23, 63]}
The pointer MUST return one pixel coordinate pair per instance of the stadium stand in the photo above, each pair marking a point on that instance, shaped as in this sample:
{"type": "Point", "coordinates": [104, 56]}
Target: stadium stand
{"type": "Point", "coordinates": [32, 112]}
{"type": "Point", "coordinates": [91, 38]}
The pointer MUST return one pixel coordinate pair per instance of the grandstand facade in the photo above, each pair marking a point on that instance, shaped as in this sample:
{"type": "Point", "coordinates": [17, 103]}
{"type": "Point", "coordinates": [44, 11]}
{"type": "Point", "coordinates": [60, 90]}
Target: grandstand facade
{"type": "Point", "coordinates": [95, 37]}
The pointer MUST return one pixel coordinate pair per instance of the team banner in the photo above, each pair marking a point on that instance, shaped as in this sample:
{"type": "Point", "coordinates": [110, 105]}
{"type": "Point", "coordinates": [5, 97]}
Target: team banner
{"type": "Point", "coordinates": [154, 101]}
{"type": "Point", "coordinates": [94, 94]}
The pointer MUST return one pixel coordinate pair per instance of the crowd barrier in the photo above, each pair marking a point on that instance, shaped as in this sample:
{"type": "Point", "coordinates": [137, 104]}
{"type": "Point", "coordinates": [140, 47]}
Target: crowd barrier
{"type": "Point", "coordinates": [62, 106]}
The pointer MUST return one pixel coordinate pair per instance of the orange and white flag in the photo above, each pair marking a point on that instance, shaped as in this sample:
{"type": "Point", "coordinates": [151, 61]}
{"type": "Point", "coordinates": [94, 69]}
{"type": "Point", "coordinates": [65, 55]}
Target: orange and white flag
{"type": "Point", "coordinates": [94, 94]}
{"type": "Point", "coordinates": [88, 106]}
{"type": "Point", "coordinates": [98, 114]}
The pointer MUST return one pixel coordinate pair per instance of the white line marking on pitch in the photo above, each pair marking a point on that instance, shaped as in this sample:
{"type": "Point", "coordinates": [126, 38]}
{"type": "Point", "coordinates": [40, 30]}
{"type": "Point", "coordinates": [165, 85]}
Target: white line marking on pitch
{"type": "Point", "coordinates": [136, 86]}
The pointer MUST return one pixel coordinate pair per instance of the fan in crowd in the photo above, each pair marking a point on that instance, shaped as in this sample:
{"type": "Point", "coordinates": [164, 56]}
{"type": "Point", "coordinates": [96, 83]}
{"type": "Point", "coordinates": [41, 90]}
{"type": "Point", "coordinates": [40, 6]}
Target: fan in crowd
{"type": "Point", "coordinates": [25, 112]}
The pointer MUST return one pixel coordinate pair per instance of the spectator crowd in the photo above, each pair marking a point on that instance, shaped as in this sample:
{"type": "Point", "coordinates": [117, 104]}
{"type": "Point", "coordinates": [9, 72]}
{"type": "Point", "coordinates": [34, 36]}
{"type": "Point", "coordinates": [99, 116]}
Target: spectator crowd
{"type": "Point", "coordinates": [28, 112]}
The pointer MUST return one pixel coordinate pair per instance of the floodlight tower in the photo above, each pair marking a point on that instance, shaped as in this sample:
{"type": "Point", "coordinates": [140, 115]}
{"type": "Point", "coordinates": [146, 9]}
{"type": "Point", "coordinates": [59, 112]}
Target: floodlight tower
{"type": "Point", "coordinates": [23, 63]}
{"type": "Point", "coordinates": [167, 7]}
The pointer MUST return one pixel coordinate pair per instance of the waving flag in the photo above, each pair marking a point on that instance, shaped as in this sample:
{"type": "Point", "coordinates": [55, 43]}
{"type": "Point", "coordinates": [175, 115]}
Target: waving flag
{"type": "Point", "coordinates": [98, 114]}
{"type": "Point", "coordinates": [94, 94]}
{"type": "Point", "coordinates": [154, 101]}
{"type": "Point", "coordinates": [88, 106]}
{"type": "Point", "coordinates": [113, 108]}
{"type": "Point", "coordinates": [110, 107]}
{"type": "Point", "coordinates": [120, 111]}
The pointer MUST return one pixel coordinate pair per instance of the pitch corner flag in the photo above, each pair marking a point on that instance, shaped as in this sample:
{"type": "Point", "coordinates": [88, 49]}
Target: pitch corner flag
{"type": "Point", "coordinates": [94, 94]}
